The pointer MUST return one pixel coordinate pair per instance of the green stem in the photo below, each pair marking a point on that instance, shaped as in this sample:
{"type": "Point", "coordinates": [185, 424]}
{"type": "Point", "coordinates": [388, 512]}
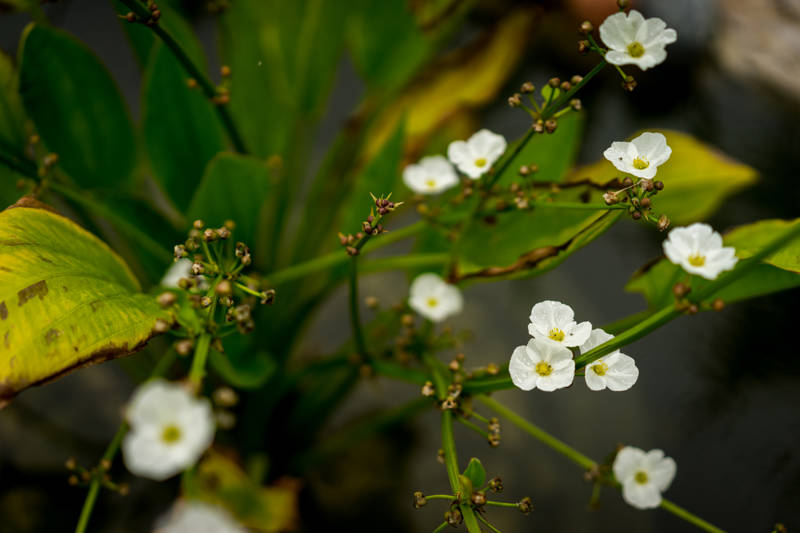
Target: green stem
{"type": "Point", "coordinates": [577, 205]}
{"type": "Point", "coordinates": [502, 504]}
{"type": "Point", "coordinates": [439, 497]}
{"type": "Point", "coordinates": [198, 369]}
{"type": "Point", "coordinates": [537, 433]}
{"type": "Point", "coordinates": [355, 314]}
{"type": "Point", "coordinates": [680, 512]}
{"type": "Point", "coordinates": [205, 84]}
{"type": "Point", "coordinates": [473, 427]}
{"type": "Point", "coordinates": [564, 98]}
{"type": "Point", "coordinates": [440, 527]}
{"type": "Point", "coordinates": [336, 258]}
{"type": "Point", "coordinates": [486, 522]}
{"type": "Point", "coordinates": [580, 459]}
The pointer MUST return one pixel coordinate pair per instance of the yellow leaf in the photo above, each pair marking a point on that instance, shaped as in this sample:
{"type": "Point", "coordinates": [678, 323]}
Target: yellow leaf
{"type": "Point", "coordinates": [66, 299]}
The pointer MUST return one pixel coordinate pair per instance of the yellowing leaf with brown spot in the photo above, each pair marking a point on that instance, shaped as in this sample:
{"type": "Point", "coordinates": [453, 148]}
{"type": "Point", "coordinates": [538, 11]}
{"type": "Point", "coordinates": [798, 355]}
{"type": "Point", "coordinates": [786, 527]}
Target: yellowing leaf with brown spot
{"type": "Point", "coordinates": [697, 178]}
{"type": "Point", "coordinates": [66, 299]}
{"type": "Point", "coordinates": [462, 81]}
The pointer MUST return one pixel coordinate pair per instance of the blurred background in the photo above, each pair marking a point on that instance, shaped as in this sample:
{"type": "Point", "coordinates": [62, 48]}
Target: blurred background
{"type": "Point", "coordinates": [719, 392]}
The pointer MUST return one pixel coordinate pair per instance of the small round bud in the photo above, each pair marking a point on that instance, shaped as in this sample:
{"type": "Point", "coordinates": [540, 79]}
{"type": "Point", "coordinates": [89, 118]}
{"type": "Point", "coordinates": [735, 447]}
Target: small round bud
{"type": "Point", "coordinates": [419, 500]}
{"type": "Point", "coordinates": [524, 170]}
{"type": "Point", "coordinates": [635, 202]}
{"type": "Point", "coordinates": [627, 182]}
{"type": "Point", "coordinates": [73, 480]}
{"type": "Point", "coordinates": [659, 185]}
{"type": "Point", "coordinates": [583, 47]}
{"type": "Point", "coordinates": [225, 71]}
{"type": "Point", "coordinates": [166, 299]}
{"type": "Point", "coordinates": [565, 86]}
{"type": "Point", "coordinates": [223, 232]}
{"type": "Point", "coordinates": [161, 326]}
{"type": "Point", "coordinates": [576, 104]}
{"type": "Point", "coordinates": [514, 100]}
{"type": "Point", "coordinates": [407, 320]}
{"type": "Point", "coordinates": [680, 290]}
{"type": "Point", "coordinates": [576, 79]}
{"type": "Point", "coordinates": [71, 464]}
{"type": "Point", "coordinates": [184, 347]}
{"type": "Point", "coordinates": [718, 304]}
{"type": "Point", "coordinates": [130, 16]}
{"type": "Point", "coordinates": [197, 269]}
{"type": "Point", "coordinates": [210, 235]}
{"type": "Point", "coordinates": [645, 202]}
{"type": "Point", "coordinates": [496, 484]}
{"type": "Point", "coordinates": [554, 82]}
{"type": "Point", "coordinates": [610, 198]}
{"type": "Point", "coordinates": [453, 516]}
{"type": "Point", "coordinates": [525, 505]}
{"type": "Point", "coordinates": [629, 84]}
{"type": "Point", "coordinates": [198, 224]}
{"type": "Point", "coordinates": [156, 14]}
{"type": "Point", "coordinates": [492, 369]}
{"type": "Point", "coordinates": [636, 215]}
{"type": "Point", "coordinates": [647, 185]}
{"type": "Point", "coordinates": [586, 27]}
{"type": "Point", "coordinates": [550, 125]}
{"type": "Point", "coordinates": [454, 365]}
{"type": "Point", "coordinates": [105, 464]}
{"type": "Point", "coordinates": [663, 223]}
{"type": "Point", "coordinates": [692, 309]}
{"type": "Point", "coordinates": [427, 389]}
{"type": "Point", "coordinates": [191, 83]}
{"type": "Point", "coordinates": [478, 498]}
{"type": "Point", "coordinates": [538, 126]}
{"type": "Point", "coordinates": [225, 397]}
{"type": "Point", "coordinates": [527, 88]}
{"type": "Point", "coordinates": [123, 489]}
{"type": "Point", "coordinates": [205, 301]}
{"type": "Point", "coordinates": [371, 302]}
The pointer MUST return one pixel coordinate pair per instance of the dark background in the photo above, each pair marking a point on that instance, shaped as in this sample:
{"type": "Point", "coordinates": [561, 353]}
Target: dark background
{"type": "Point", "coordinates": [718, 391]}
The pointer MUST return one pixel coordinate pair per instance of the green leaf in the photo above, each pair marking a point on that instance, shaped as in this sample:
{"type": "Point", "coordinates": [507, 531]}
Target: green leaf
{"type": "Point", "coordinates": [12, 117]}
{"type": "Point", "coordinates": [778, 272]}
{"type": "Point", "coordinates": [386, 45]}
{"type": "Point", "coordinates": [475, 473]}
{"type": "Point", "coordinates": [242, 365]}
{"type": "Point", "coordinates": [76, 107]}
{"type": "Point", "coordinates": [180, 127]}
{"type": "Point", "coordinates": [66, 299]}
{"type": "Point", "coordinates": [237, 188]}
{"type": "Point", "coordinates": [697, 178]}
{"type": "Point", "coordinates": [548, 93]}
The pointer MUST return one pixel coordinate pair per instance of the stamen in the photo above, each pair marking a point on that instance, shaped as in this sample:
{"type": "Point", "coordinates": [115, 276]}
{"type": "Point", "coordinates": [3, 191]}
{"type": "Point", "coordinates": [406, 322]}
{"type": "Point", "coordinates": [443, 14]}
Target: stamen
{"type": "Point", "coordinates": [600, 369]}
{"type": "Point", "coordinates": [641, 163]}
{"type": "Point", "coordinates": [635, 49]}
{"type": "Point", "coordinates": [543, 369]}
{"type": "Point", "coordinates": [432, 302]}
{"type": "Point", "coordinates": [641, 477]}
{"type": "Point", "coordinates": [171, 434]}
{"type": "Point", "coordinates": [697, 260]}
{"type": "Point", "coordinates": [556, 335]}
{"type": "Point", "coordinates": [480, 162]}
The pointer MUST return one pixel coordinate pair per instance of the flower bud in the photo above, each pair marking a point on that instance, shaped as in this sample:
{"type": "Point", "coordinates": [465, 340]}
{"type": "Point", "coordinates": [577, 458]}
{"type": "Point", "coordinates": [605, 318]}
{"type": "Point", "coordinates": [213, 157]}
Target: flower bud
{"type": "Point", "coordinates": [71, 464]}
{"type": "Point", "coordinates": [198, 224]}
{"type": "Point", "coordinates": [538, 126]}
{"type": "Point", "coordinates": [526, 505]}
{"type": "Point", "coordinates": [527, 88]}
{"type": "Point", "coordinates": [427, 389]}
{"type": "Point", "coordinates": [576, 79]}
{"type": "Point", "coordinates": [550, 126]}
{"type": "Point", "coordinates": [718, 304]}
{"type": "Point", "coordinates": [663, 223]}
{"type": "Point", "coordinates": [586, 27]}
{"type": "Point", "coordinates": [210, 235]}
{"type": "Point", "coordinates": [576, 104]}
{"type": "Point", "coordinates": [645, 202]}
{"type": "Point", "coordinates": [680, 289]}
{"type": "Point", "coordinates": [623, 4]}
{"type": "Point", "coordinates": [554, 82]}
{"type": "Point", "coordinates": [565, 86]}
{"type": "Point", "coordinates": [610, 198]}
{"type": "Point", "coordinates": [627, 182]}
{"type": "Point", "coordinates": [453, 516]}
{"type": "Point", "coordinates": [492, 369]}
{"type": "Point", "coordinates": [636, 215]}
{"type": "Point", "coordinates": [419, 500]}
{"type": "Point", "coordinates": [514, 100]}
{"type": "Point", "coordinates": [161, 326]}
{"type": "Point", "coordinates": [496, 484]}
{"type": "Point", "coordinates": [225, 397]}
{"type": "Point", "coordinates": [184, 347]}
{"type": "Point", "coordinates": [659, 185]}
{"type": "Point", "coordinates": [197, 269]}
{"type": "Point", "coordinates": [583, 47]}
{"type": "Point", "coordinates": [166, 299]}
{"type": "Point", "coordinates": [478, 498]}
{"type": "Point", "coordinates": [225, 71]}
{"type": "Point", "coordinates": [224, 288]}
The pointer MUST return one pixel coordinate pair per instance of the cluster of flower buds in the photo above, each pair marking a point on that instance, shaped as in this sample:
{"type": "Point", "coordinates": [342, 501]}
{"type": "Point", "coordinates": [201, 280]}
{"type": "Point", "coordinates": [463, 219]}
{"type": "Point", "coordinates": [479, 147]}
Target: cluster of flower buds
{"type": "Point", "coordinates": [681, 292]}
{"type": "Point", "coordinates": [494, 432]}
{"type": "Point", "coordinates": [639, 194]}
{"type": "Point", "coordinates": [370, 226]}
{"type": "Point", "coordinates": [80, 476]}
{"type": "Point", "coordinates": [155, 14]}
{"type": "Point", "coordinates": [543, 114]}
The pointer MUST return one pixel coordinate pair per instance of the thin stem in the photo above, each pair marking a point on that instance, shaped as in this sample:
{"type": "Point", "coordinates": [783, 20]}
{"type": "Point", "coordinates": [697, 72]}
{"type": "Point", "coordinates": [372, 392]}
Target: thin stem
{"type": "Point", "coordinates": [440, 527]}
{"type": "Point", "coordinates": [577, 457]}
{"type": "Point", "coordinates": [336, 258]}
{"type": "Point", "coordinates": [486, 522]}
{"type": "Point", "coordinates": [439, 497]}
{"type": "Point", "coordinates": [537, 433]}
{"type": "Point", "coordinates": [473, 427]}
{"type": "Point", "coordinates": [355, 314]}
{"type": "Point", "coordinates": [198, 369]}
{"type": "Point", "coordinates": [502, 504]}
{"type": "Point", "coordinates": [202, 80]}
{"type": "Point", "coordinates": [564, 98]}
{"type": "Point", "coordinates": [577, 205]}
{"type": "Point", "coordinates": [682, 513]}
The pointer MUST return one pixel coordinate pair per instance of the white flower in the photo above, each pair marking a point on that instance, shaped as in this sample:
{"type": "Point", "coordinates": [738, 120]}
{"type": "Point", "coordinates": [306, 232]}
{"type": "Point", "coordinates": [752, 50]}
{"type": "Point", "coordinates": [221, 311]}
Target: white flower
{"type": "Point", "coordinates": [644, 476]}
{"type": "Point", "coordinates": [432, 175]}
{"type": "Point", "coordinates": [640, 157]}
{"type": "Point", "coordinates": [475, 156]}
{"type": "Point", "coordinates": [616, 370]}
{"type": "Point", "coordinates": [433, 298]}
{"type": "Point", "coordinates": [198, 517]}
{"type": "Point", "coordinates": [169, 430]}
{"type": "Point", "coordinates": [632, 40]}
{"type": "Point", "coordinates": [555, 322]}
{"type": "Point", "coordinates": [542, 365]}
{"type": "Point", "coordinates": [698, 249]}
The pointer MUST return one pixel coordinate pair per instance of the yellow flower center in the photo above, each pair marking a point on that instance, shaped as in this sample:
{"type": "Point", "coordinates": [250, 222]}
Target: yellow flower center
{"type": "Point", "coordinates": [433, 302]}
{"type": "Point", "coordinates": [641, 163]}
{"type": "Point", "coordinates": [556, 335]}
{"type": "Point", "coordinates": [641, 477]}
{"type": "Point", "coordinates": [635, 49]}
{"type": "Point", "coordinates": [543, 369]}
{"type": "Point", "coordinates": [480, 162]}
{"type": "Point", "coordinates": [171, 434]}
{"type": "Point", "coordinates": [430, 182]}
{"type": "Point", "coordinates": [697, 260]}
{"type": "Point", "coordinates": [600, 369]}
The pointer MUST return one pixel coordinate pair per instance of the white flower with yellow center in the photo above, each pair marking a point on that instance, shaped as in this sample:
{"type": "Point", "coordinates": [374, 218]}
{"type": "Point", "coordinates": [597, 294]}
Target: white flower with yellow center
{"type": "Point", "coordinates": [432, 175]}
{"type": "Point", "coordinates": [698, 249]}
{"type": "Point", "coordinates": [542, 365]}
{"type": "Point", "coordinates": [555, 322]}
{"type": "Point", "coordinates": [643, 476]}
{"type": "Point", "coordinates": [634, 40]}
{"type": "Point", "coordinates": [640, 157]}
{"type": "Point", "coordinates": [169, 430]}
{"type": "Point", "coordinates": [615, 371]}
{"type": "Point", "coordinates": [475, 156]}
{"type": "Point", "coordinates": [198, 517]}
{"type": "Point", "coordinates": [434, 298]}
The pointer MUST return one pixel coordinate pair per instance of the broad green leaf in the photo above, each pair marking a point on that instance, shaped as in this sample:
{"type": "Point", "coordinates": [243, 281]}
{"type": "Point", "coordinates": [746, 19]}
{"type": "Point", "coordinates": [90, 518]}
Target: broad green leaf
{"type": "Point", "coordinates": [778, 272]}
{"type": "Point", "coordinates": [461, 82]}
{"type": "Point", "coordinates": [219, 481]}
{"type": "Point", "coordinates": [553, 154]}
{"type": "Point", "coordinates": [66, 299]}
{"type": "Point", "coordinates": [241, 365]}
{"type": "Point", "coordinates": [76, 107]}
{"type": "Point", "coordinates": [386, 45]}
{"type": "Point", "coordinates": [476, 473]}
{"type": "Point", "coordinates": [549, 93]}
{"type": "Point", "coordinates": [697, 178]}
{"type": "Point", "coordinates": [522, 243]}
{"type": "Point", "coordinates": [180, 127]}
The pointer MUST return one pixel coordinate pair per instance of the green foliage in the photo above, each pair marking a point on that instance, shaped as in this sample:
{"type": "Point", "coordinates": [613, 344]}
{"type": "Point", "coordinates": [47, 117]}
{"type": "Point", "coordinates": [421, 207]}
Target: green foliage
{"type": "Point", "coordinates": [242, 365]}
{"type": "Point", "coordinates": [776, 273]}
{"type": "Point", "coordinates": [475, 473]}
{"type": "Point", "coordinates": [76, 107]}
{"type": "Point", "coordinates": [66, 300]}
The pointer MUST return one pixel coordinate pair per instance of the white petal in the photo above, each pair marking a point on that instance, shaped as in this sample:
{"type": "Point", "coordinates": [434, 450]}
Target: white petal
{"type": "Point", "coordinates": [577, 334]}
{"type": "Point", "coordinates": [616, 32]}
{"type": "Point", "coordinates": [595, 339]}
{"type": "Point", "coordinates": [198, 517]}
{"type": "Point", "coordinates": [522, 368]}
{"type": "Point", "coordinates": [182, 268]}
{"type": "Point", "coordinates": [558, 379]}
{"type": "Point", "coordinates": [663, 473]}
{"type": "Point", "coordinates": [627, 462]}
{"type": "Point", "coordinates": [593, 380]}
{"type": "Point", "coordinates": [458, 152]}
{"type": "Point", "coordinates": [487, 144]}
{"type": "Point", "coordinates": [615, 57]}
{"type": "Point", "coordinates": [622, 373]}
{"type": "Point", "coordinates": [551, 314]}
{"type": "Point", "coordinates": [641, 496]}
{"type": "Point", "coordinates": [148, 457]}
